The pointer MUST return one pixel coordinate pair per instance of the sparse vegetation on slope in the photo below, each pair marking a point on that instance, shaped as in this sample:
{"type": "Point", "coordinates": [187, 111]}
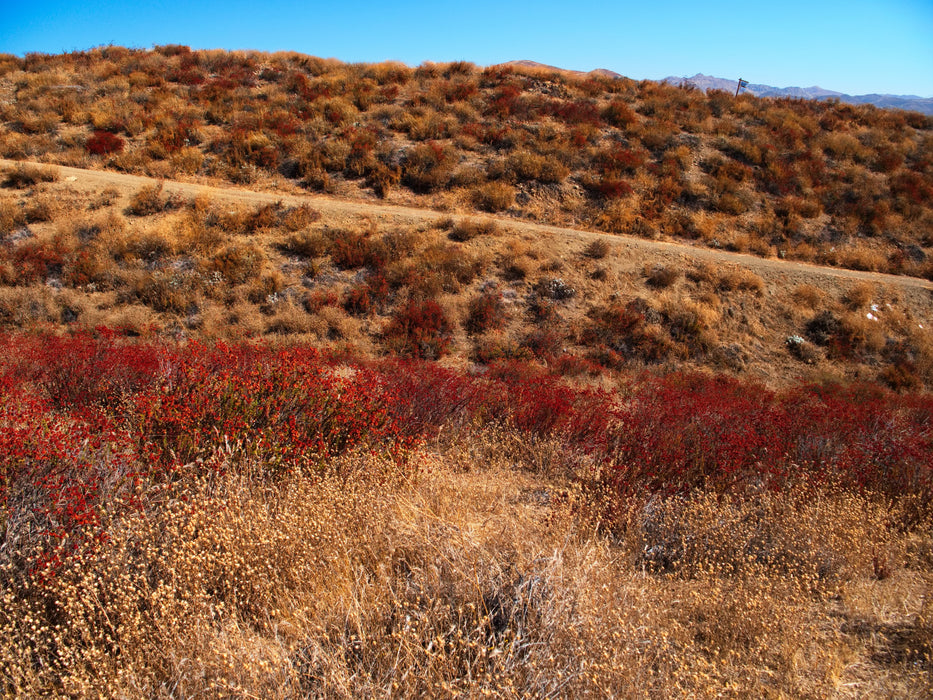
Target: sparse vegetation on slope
{"type": "Point", "coordinates": [151, 261]}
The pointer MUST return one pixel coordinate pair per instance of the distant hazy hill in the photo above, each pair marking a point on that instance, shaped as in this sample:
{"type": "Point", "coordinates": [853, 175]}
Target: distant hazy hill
{"type": "Point", "coordinates": [708, 82]}
{"type": "Point", "coordinates": [545, 67]}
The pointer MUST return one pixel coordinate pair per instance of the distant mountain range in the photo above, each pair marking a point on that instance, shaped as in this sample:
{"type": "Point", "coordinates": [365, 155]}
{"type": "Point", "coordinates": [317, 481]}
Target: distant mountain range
{"type": "Point", "coordinates": [708, 82]}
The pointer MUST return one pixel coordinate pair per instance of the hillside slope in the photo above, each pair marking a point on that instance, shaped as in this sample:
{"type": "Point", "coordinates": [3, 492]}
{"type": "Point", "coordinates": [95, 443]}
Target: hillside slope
{"type": "Point", "coordinates": [836, 184]}
{"type": "Point", "coordinates": [327, 380]}
{"type": "Point", "coordinates": [206, 261]}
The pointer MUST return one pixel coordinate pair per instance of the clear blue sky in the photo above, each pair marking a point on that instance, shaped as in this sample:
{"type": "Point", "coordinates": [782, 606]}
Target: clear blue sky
{"type": "Point", "coordinates": [853, 46]}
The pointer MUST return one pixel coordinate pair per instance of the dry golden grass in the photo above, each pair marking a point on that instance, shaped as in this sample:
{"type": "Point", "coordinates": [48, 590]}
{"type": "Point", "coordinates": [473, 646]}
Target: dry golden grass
{"type": "Point", "coordinates": [808, 295]}
{"type": "Point", "coordinates": [860, 295]}
{"type": "Point", "coordinates": [722, 278]}
{"type": "Point", "coordinates": [11, 215]}
{"type": "Point", "coordinates": [661, 277]}
{"type": "Point", "coordinates": [148, 200]}
{"type": "Point", "coordinates": [27, 306]}
{"type": "Point", "coordinates": [494, 196]}
{"type": "Point", "coordinates": [475, 575]}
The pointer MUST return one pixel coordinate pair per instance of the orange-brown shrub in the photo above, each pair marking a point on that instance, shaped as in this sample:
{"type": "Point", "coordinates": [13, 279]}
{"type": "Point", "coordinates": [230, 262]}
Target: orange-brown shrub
{"type": "Point", "coordinates": [597, 249]}
{"type": "Point", "coordinates": [468, 229]}
{"type": "Point", "coordinates": [147, 200]}
{"type": "Point", "coordinates": [166, 292]}
{"type": "Point", "coordinates": [11, 215]}
{"type": "Point", "coordinates": [237, 262]}
{"type": "Point", "coordinates": [494, 196]}
{"type": "Point", "coordinates": [306, 244]}
{"type": "Point", "coordinates": [661, 277]}
{"type": "Point", "coordinates": [427, 167]}
{"type": "Point", "coordinates": [618, 114]}
{"type": "Point", "coordinates": [485, 312]}
{"type": "Point", "coordinates": [808, 295]}
{"type": "Point", "coordinates": [23, 176]}
{"type": "Point", "coordinates": [524, 165]}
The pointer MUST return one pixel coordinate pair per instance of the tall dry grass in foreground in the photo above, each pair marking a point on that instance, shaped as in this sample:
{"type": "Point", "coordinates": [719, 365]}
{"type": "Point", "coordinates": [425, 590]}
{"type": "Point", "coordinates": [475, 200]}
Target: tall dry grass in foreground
{"type": "Point", "coordinates": [212, 520]}
{"type": "Point", "coordinates": [476, 575]}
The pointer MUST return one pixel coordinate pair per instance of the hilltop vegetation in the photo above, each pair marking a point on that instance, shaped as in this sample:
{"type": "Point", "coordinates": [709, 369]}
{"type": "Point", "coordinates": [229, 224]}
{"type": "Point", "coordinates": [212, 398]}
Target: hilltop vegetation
{"type": "Point", "coordinates": [833, 183]}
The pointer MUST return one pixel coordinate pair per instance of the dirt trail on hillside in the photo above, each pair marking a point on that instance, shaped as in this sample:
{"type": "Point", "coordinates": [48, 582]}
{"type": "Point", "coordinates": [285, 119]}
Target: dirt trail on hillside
{"type": "Point", "coordinates": [640, 250]}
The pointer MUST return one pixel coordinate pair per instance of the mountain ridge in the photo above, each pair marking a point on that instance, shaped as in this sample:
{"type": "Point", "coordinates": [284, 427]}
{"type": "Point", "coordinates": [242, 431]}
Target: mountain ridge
{"type": "Point", "coordinates": [886, 101]}
{"type": "Point", "coordinates": [708, 82]}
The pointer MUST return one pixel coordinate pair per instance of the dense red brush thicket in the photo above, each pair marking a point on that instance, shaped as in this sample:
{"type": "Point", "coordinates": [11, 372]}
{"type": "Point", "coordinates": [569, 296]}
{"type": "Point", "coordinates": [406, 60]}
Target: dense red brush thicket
{"type": "Point", "coordinates": [104, 142]}
{"type": "Point", "coordinates": [684, 431]}
{"type": "Point", "coordinates": [87, 419]}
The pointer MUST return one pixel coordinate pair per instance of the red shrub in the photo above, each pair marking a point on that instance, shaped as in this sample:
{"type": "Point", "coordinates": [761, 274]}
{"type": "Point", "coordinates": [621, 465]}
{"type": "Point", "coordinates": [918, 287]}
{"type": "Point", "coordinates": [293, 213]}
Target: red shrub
{"type": "Point", "coordinates": [82, 370]}
{"type": "Point", "coordinates": [185, 76]}
{"type": "Point", "coordinates": [612, 188]}
{"type": "Point", "coordinates": [317, 300]}
{"type": "Point", "coordinates": [569, 365]}
{"type": "Point", "coordinates": [690, 431]}
{"type": "Point", "coordinates": [426, 167]}
{"type": "Point", "coordinates": [88, 419]}
{"type": "Point", "coordinates": [35, 261]}
{"type": "Point", "coordinates": [283, 124]}
{"type": "Point", "coordinates": [104, 142]}
{"type": "Point", "coordinates": [358, 301]}
{"type": "Point", "coordinates": [365, 298]}
{"type": "Point", "coordinates": [913, 187]}
{"type": "Point", "coordinates": [312, 90]}
{"type": "Point", "coordinates": [419, 329]}
{"type": "Point", "coordinates": [621, 160]}
{"type": "Point", "coordinates": [459, 91]}
{"type": "Point", "coordinates": [575, 112]}
{"type": "Point", "coordinates": [427, 397]}
{"type": "Point", "coordinates": [580, 136]}
{"type": "Point", "coordinates": [173, 137]}
{"type": "Point", "coordinates": [543, 343]}
{"type": "Point", "coordinates": [353, 249]}
{"type": "Point", "coordinates": [273, 404]}
{"type": "Point", "coordinates": [694, 431]}
{"type": "Point", "coordinates": [507, 102]}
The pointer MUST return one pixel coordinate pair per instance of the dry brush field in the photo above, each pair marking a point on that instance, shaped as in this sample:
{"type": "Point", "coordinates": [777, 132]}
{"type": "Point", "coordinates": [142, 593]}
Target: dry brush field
{"type": "Point", "coordinates": [329, 380]}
